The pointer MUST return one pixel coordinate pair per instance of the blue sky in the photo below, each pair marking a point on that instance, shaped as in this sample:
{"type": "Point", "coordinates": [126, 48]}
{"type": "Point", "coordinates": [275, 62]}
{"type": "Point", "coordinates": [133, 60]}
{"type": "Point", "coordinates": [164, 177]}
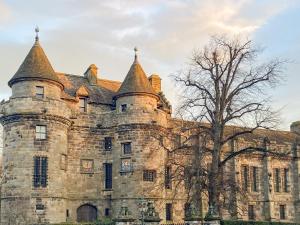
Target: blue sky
{"type": "Point", "coordinates": [75, 34]}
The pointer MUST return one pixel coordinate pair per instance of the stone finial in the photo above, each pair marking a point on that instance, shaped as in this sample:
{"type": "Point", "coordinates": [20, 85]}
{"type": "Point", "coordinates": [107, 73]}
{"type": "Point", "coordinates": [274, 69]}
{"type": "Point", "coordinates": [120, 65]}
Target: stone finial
{"type": "Point", "coordinates": [92, 74]}
{"type": "Point", "coordinates": [135, 54]}
{"type": "Point", "coordinates": [37, 30]}
{"type": "Point", "coordinates": [155, 82]}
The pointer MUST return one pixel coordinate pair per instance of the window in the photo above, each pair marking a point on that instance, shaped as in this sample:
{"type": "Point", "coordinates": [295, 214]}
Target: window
{"type": "Point", "coordinates": [82, 104]}
{"type": "Point", "coordinates": [40, 171]}
{"type": "Point", "coordinates": [67, 213]}
{"type": "Point", "coordinates": [87, 166]}
{"type": "Point", "coordinates": [286, 180]}
{"type": "Point", "coordinates": [123, 108]}
{"type": "Point", "coordinates": [107, 143]}
{"type": "Point", "coordinates": [245, 177]}
{"type": "Point", "coordinates": [126, 148]}
{"type": "Point", "coordinates": [251, 213]}
{"type": "Point", "coordinates": [126, 165]}
{"type": "Point", "coordinates": [40, 132]}
{"type": "Point", "coordinates": [277, 180]}
{"type": "Point", "coordinates": [187, 210]}
{"type": "Point", "coordinates": [169, 212]}
{"type": "Point", "coordinates": [282, 212]}
{"type": "Point", "coordinates": [106, 212]}
{"type": "Point", "coordinates": [39, 92]}
{"type": "Point", "coordinates": [255, 179]}
{"type": "Point", "coordinates": [39, 207]}
{"type": "Point", "coordinates": [168, 180]}
{"type": "Point", "coordinates": [149, 175]}
{"type": "Point", "coordinates": [108, 175]}
{"type": "Point", "coordinates": [187, 177]}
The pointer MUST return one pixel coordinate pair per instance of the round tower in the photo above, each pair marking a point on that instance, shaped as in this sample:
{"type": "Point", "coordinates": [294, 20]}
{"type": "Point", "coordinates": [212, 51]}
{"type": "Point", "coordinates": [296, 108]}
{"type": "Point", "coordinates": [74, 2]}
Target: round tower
{"type": "Point", "coordinates": [35, 129]}
{"type": "Point", "coordinates": [140, 156]}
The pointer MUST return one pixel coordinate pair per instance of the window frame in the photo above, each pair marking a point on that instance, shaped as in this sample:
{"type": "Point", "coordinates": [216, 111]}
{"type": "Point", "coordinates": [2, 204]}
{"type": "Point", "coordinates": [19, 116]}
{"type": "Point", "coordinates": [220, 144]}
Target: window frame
{"type": "Point", "coordinates": [168, 177]}
{"type": "Point", "coordinates": [39, 95]}
{"type": "Point", "coordinates": [277, 180]}
{"type": "Point", "coordinates": [83, 109]}
{"type": "Point", "coordinates": [128, 168]}
{"type": "Point", "coordinates": [123, 107]}
{"type": "Point", "coordinates": [108, 176]}
{"type": "Point", "coordinates": [251, 212]}
{"type": "Point", "coordinates": [125, 150]}
{"type": "Point", "coordinates": [149, 175]}
{"type": "Point", "coordinates": [255, 181]}
{"type": "Point", "coordinates": [40, 171]}
{"type": "Point", "coordinates": [107, 144]}
{"type": "Point", "coordinates": [169, 212]}
{"type": "Point", "coordinates": [286, 180]}
{"type": "Point", "coordinates": [282, 212]}
{"type": "Point", "coordinates": [39, 134]}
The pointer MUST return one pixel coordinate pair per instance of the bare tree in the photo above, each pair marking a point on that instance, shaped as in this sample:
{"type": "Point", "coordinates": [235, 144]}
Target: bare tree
{"type": "Point", "coordinates": [224, 91]}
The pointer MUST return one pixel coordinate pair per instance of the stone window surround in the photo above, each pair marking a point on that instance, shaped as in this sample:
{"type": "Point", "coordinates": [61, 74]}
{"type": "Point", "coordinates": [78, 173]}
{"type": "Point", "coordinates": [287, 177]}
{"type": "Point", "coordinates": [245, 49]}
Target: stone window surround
{"type": "Point", "coordinates": [40, 135]}
{"type": "Point", "coordinates": [282, 212]}
{"type": "Point", "coordinates": [126, 168]}
{"type": "Point", "coordinates": [123, 146]}
{"type": "Point", "coordinates": [40, 92]}
{"type": "Point", "coordinates": [149, 175]}
{"type": "Point", "coordinates": [82, 100]}
{"type": "Point", "coordinates": [39, 185]}
{"type": "Point", "coordinates": [108, 143]}
{"type": "Point", "coordinates": [281, 186]}
{"type": "Point", "coordinates": [123, 107]}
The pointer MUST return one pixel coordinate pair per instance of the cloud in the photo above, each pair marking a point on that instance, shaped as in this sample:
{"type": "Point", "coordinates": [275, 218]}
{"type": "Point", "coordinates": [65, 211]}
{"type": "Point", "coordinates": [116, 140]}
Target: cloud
{"type": "Point", "coordinates": [76, 33]}
{"type": "Point", "coordinates": [4, 13]}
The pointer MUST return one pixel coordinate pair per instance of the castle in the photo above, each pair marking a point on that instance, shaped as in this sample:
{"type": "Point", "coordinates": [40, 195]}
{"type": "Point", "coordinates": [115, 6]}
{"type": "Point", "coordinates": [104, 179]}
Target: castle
{"type": "Point", "coordinates": [81, 148]}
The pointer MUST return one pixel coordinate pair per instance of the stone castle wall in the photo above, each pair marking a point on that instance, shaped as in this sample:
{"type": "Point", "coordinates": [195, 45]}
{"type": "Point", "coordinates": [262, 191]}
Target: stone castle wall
{"type": "Point", "coordinates": [74, 137]}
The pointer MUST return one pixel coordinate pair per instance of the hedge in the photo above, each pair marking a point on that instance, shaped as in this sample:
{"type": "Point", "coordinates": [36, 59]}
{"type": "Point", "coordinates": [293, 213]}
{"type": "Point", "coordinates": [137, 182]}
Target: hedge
{"type": "Point", "coordinates": [240, 222]}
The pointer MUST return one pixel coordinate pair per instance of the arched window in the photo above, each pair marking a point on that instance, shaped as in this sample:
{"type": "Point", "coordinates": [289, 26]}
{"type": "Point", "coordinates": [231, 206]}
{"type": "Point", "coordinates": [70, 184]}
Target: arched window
{"type": "Point", "coordinates": [86, 213]}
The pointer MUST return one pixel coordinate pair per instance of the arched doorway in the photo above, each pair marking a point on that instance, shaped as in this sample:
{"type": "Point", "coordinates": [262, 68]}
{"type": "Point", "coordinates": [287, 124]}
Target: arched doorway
{"type": "Point", "coordinates": [86, 213]}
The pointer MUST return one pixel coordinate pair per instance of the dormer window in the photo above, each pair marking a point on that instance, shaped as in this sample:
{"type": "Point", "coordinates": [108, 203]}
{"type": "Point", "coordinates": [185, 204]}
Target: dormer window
{"type": "Point", "coordinates": [82, 105]}
{"type": "Point", "coordinates": [39, 92]}
{"type": "Point", "coordinates": [123, 108]}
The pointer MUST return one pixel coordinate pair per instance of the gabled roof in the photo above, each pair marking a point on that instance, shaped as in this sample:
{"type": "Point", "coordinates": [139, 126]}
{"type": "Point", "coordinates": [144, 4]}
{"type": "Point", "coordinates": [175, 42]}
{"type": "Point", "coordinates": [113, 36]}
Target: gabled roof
{"type": "Point", "coordinates": [136, 81]}
{"type": "Point", "coordinates": [35, 66]}
{"type": "Point", "coordinates": [101, 93]}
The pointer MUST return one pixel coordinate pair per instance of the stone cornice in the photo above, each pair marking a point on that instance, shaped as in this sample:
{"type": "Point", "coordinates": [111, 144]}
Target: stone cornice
{"type": "Point", "coordinates": [12, 118]}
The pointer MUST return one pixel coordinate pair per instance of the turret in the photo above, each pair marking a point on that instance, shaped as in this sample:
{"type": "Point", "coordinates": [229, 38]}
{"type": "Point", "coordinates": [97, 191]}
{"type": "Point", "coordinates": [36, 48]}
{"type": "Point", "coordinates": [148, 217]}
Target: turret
{"type": "Point", "coordinates": [136, 92]}
{"type": "Point", "coordinates": [35, 129]}
{"type": "Point", "coordinates": [36, 67]}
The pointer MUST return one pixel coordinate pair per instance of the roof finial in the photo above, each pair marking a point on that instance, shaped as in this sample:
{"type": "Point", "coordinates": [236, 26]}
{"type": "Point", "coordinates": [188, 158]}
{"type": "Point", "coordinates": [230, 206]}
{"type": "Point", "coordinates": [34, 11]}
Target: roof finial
{"type": "Point", "coordinates": [37, 30]}
{"type": "Point", "coordinates": [135, 53]}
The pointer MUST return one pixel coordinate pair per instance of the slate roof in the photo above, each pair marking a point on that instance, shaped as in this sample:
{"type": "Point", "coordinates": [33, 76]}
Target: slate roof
{"type": "Point", "coordinates": [136, 81]}
{"type": "Point", "coordinates": [102, 93]}
{"type": "Point", "coordinates": [35, 66]}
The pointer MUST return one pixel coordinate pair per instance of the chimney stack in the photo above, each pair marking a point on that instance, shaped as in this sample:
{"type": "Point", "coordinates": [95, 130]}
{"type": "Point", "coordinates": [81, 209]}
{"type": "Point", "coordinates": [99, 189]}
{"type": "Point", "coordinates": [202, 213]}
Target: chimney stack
{"type": "Point", "coordinates": [155, 82]}
{"type": "Point", "coordinates": [92, 74]}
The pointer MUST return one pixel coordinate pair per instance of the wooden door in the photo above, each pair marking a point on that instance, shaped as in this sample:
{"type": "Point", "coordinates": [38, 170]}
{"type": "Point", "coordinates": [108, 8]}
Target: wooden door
{"type": "Point", "coordinates": [86, 213]}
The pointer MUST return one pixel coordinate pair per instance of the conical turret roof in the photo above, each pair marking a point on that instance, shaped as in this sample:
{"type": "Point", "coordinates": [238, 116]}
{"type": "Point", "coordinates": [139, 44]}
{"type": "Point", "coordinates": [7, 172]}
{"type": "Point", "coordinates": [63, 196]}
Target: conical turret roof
{"type": "Point", "coordinates": [136, 81]}
{"type": "Point", "coordinates": [35, 66]}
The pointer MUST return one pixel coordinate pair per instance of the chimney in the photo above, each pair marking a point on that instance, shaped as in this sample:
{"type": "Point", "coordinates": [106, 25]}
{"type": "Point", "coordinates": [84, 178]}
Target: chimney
{"type": "Point", "coordinates": [295, 127]}
{"type": "Point", "coordinates": [91, 74]}
{"type": "Point", "coordinates": [155, 82]}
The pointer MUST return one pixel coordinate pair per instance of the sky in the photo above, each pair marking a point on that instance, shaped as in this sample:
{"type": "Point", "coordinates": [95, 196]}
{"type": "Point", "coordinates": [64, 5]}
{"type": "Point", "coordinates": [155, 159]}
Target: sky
{"type": "Point", "coordinates": [75, 34]}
